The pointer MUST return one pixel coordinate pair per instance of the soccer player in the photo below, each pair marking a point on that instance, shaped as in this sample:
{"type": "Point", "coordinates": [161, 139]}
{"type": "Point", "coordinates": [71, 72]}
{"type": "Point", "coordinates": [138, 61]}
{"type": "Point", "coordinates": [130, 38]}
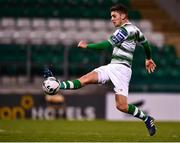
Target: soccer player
{"type": "Point", "coordinates": [123, 41]}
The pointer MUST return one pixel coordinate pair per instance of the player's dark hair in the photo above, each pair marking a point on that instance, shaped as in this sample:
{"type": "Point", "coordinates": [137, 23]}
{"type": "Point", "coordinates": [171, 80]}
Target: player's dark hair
{"type": "Point", "coordinates": [119, 7]}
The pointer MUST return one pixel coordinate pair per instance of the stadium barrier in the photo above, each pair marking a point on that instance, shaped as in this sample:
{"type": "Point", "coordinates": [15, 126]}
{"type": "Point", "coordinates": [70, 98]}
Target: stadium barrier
{"type": "Point", "coordinates": [164, 107]}
{"type": "Point", "coordinates": [36, 107]}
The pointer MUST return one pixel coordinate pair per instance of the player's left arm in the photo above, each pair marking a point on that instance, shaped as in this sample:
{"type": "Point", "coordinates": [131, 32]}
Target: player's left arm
{"type": "Point", "coordinates": [149, 63]}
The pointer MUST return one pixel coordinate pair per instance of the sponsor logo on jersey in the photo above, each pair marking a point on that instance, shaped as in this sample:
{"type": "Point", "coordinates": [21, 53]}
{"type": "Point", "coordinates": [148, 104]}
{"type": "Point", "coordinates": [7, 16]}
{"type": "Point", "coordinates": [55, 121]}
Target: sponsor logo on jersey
{"type": "Point", "coordinates": [119, 36]}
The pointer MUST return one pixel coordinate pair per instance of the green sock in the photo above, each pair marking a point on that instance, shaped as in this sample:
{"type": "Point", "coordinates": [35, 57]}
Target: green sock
{"type": "Point", "coordinates": [133, 110]}
{"type": "Point", "coordinates": [75, 84]}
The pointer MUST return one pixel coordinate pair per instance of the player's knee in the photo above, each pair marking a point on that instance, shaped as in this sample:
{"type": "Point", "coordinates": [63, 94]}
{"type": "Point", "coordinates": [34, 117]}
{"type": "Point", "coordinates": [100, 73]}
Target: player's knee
{"type": "Point", "coordinates": [122, 107]}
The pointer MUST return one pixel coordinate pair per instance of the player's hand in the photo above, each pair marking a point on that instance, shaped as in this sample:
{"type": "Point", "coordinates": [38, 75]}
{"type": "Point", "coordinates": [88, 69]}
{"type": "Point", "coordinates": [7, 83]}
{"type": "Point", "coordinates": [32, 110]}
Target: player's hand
{"type": "Point", "coordinates": [82, 44]}
{"type": "Point", "coordinates": [150, 66]}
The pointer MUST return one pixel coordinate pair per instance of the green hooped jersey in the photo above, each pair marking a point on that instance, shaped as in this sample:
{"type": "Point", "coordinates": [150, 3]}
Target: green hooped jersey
{"type": "Point", "coordinates": [124, 41]}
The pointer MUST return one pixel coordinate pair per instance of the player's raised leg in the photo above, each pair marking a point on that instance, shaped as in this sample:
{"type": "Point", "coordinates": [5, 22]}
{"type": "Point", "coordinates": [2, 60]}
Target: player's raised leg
{"type": "Point", "coordinates": [89, 78]}
{"type": "Point", "coordinates": [122, 105]}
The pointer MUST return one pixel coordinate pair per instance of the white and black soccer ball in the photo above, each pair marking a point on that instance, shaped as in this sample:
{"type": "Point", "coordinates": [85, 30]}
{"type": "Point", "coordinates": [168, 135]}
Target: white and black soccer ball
{"type": "Point", "coordinates": [51, 86]}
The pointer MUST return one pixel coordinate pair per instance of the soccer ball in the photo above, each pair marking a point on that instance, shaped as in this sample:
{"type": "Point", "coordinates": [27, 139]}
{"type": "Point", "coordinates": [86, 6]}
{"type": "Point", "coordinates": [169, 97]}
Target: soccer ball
{"type": "Point", "coordinates": [50, 86]}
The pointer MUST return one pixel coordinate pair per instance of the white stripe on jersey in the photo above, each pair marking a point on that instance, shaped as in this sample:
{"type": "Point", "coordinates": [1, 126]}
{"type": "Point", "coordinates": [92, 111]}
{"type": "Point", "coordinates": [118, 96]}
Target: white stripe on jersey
{"type": "Point", "coordinates": [129, 44]}
{"type": "Point", "coordinates": [119, 52]}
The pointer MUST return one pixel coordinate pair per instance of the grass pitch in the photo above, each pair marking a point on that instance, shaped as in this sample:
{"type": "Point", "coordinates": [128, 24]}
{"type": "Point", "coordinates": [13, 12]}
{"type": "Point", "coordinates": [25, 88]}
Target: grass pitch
{"type": "Point", "coordinates": [85, 131]}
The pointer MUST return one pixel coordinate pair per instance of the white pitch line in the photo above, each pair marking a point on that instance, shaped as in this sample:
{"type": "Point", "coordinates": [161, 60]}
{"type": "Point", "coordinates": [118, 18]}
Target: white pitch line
{"type": "Point", "coordinates": [1, 130]}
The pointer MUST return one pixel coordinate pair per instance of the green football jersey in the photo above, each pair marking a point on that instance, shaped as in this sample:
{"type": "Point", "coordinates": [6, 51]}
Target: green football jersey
{"type": "Point", "coordinates": [124, 41]}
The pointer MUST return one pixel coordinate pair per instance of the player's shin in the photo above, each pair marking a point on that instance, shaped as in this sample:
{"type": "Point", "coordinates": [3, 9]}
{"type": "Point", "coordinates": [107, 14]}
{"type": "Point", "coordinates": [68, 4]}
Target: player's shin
{"type": "Point", "coordinates": [133, 110]}
{"type": "Point", "coordinates": [74, 84]}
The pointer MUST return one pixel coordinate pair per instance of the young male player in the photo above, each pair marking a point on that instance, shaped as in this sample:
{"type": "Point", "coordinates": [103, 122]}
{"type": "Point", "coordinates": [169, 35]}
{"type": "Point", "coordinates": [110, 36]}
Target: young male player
{"type": "Point", "coordinates": [123, 41]}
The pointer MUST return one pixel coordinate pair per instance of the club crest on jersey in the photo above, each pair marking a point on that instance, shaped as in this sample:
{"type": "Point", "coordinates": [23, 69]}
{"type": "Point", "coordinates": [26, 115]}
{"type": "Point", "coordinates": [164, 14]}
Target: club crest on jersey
{"type": "Point", "coordinates": [119, 36]}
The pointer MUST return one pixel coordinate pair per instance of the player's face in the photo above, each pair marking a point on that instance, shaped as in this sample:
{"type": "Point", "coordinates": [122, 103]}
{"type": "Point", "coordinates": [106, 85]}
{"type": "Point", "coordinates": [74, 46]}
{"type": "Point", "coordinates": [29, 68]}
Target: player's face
{"type": "Point", "coordinates": [117, 18]}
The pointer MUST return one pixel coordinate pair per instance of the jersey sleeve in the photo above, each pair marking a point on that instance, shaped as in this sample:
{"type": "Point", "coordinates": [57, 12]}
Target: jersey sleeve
{"type": "Point", "coordinates": [118, 36]}
{"type": "Point", "coordinates": [99, 46]}
{"type": "Point", "coordinates": [140, 37]}
{"type": "Point", "coordinates": [145, 44]}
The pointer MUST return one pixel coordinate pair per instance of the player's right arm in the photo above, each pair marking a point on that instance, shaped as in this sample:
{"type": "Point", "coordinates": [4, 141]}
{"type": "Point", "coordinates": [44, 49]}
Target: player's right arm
{"type": "Point", "coordinates": [115, 39]}
{"type": "Point", "coordinates": [98, 46]}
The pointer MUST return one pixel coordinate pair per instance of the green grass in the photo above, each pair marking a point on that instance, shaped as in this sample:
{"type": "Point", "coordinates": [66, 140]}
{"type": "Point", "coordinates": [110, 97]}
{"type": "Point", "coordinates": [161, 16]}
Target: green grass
{"type": "Point", "coordinates": [99, 131]}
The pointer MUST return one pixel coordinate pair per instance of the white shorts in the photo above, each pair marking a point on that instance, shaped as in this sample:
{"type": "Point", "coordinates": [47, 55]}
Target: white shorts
{"type": "Point", "coordinates": [119, 75]}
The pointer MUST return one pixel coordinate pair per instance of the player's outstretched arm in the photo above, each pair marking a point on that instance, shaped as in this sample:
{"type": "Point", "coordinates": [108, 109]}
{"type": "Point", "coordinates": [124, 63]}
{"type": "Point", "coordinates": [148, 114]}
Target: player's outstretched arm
{"type": "Point", "coordinates": [98, 46]}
